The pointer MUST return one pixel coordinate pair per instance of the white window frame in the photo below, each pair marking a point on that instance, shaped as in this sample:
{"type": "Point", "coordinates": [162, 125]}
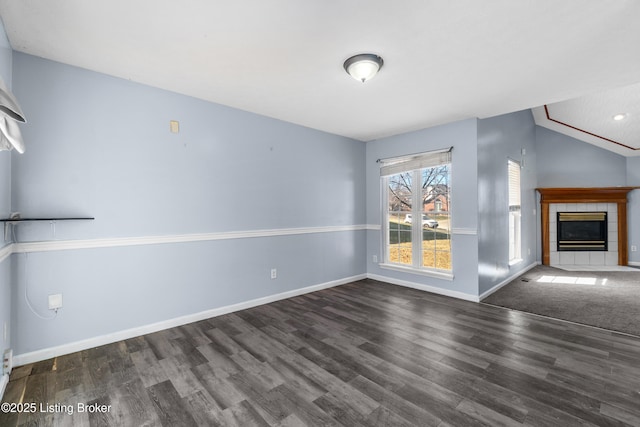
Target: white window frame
{"type": "Point", "coordinates": [413, 164]}
{"type": "Point", "coordinates": [514, 210]}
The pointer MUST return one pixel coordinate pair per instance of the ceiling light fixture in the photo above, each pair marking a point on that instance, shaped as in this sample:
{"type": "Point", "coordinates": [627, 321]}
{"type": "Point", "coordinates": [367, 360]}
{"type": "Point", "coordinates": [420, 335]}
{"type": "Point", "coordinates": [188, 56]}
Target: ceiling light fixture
{"type": "Point", "coordinates": [10, 114]}
{"type": "Point", "coordinates": [9, 105]}
{"type": "Point", "coordinates": [364, 66]}
{"type": "Point", "coordinates": [619, 117]}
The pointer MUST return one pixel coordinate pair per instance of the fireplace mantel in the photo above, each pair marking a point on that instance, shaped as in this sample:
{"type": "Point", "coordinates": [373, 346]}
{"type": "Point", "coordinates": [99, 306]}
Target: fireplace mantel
{"type": "Point", "coordinates": [616, 195]}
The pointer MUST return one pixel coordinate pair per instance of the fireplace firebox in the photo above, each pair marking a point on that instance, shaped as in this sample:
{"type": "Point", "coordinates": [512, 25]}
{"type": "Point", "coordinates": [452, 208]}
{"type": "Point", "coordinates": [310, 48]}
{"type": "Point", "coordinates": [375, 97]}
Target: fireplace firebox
{"type": "Point", "coordinates": [582, 231]}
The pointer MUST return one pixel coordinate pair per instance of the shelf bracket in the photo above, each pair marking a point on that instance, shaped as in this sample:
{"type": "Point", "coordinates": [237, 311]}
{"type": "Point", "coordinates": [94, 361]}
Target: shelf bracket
{"type": "Point", "coordinates": [7, 233]}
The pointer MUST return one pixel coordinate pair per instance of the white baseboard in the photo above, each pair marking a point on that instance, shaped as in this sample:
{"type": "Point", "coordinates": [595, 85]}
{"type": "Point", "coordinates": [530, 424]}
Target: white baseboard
{"type": "Point", "coordinates": [423, 287]}
{"type": "Point", "coordinates": [48, 353]}
{"type": "Point", "coordinates": [634, 263]}
{"type": "Point", "coordinates": [4, 380]}
{"type": "Point", "coordinates": [447, 292]}
{"type": "Point", "coordinates": [507, 281]}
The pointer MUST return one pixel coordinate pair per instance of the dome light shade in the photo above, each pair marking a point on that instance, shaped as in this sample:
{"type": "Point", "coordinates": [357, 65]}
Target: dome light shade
{"type": "Point", "coordinates": [364, 66]}
{"type": "Point", "coordinates": [10, 112]}
{"type": "Point", "coordinates": [10, 132]}
{"type": "Point", "coordinates": [9, 105]}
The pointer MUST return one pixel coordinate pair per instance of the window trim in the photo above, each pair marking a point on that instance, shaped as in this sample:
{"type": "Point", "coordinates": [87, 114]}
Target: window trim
{"type": "Point", "coordinates": [513, 198]}
{"type": "Point", "coordinates": [413, 164]}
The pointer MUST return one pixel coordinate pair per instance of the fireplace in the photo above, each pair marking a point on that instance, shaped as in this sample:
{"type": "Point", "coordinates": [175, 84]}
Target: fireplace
{"type": "Point", "coordinates": [614, 197]}
{"type": "Point", "coordinates": [582, 231]}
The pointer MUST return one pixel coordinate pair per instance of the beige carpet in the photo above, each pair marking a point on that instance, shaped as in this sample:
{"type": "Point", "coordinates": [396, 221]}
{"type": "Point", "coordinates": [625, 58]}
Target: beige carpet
{"type": "Point", "coordinates": [609, 299]}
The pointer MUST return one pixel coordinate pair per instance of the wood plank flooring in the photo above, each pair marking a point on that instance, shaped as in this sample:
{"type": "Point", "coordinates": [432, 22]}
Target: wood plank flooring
{"type": "Point", "coordinates": [362, 354]}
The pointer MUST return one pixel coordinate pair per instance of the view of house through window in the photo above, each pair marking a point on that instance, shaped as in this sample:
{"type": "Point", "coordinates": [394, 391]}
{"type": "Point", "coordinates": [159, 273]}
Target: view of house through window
{"type": "Point", "coordinates": [417, 215]}
{"type": "Point", "coordinates": [514, 211]}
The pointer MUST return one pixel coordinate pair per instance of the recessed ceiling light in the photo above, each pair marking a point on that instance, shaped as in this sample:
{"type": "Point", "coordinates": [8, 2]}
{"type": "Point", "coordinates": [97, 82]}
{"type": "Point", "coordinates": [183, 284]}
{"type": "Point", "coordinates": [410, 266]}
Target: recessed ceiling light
{"type": "Point", "coordinates": [619, 117]}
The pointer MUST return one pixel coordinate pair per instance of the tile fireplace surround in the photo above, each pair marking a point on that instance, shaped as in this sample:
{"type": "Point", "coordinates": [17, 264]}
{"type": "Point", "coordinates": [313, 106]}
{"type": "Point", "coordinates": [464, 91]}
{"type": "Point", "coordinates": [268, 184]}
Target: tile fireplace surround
{"type": "Point", "coordinates": [610, 199]}
{"type": "Point", "coordinates": [608, 257]}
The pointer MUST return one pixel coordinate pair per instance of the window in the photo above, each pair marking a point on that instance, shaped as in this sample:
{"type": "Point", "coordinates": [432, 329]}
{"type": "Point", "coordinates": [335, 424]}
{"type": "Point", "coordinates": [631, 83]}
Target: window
{"type": "Point", "coordinates": [514, 211]}
{"type": "Point", "coordinates": [416, 211]}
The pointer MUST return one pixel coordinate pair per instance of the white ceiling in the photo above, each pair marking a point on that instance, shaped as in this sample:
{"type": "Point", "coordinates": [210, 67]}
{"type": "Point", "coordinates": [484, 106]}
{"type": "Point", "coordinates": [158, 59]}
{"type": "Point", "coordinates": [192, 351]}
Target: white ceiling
{"type": "Point", "coordinates": [444, 60]}
{"type": "Point", "coordinates": [590, 118]}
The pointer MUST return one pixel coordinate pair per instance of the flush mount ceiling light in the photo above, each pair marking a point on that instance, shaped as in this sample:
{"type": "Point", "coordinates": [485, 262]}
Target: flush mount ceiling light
{"type": "Point", "coordinates": [364, 66]}
{"type": "Point", "coordinates": [10, 135]}
{"type": "Point", "coordinates": [619, 117]}
{"type": "Point", "coordinates": [10, 113]}
{"type": "Point", "coordinates": [9, 105]}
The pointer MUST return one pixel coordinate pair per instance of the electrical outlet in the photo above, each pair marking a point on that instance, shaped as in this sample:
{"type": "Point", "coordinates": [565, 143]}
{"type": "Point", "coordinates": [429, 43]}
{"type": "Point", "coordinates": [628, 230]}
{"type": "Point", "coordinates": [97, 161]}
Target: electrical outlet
{"type": "Point", "coordinates": [375, 258]}
{"type": "Point", "coordinates": [274, 273]}
{"type": "Point", "coordinates": [7, 362]}
{"type": "Point", "coordinates": [528, 251]}
{"type": "Point", "coordinates": [55, 301]}
{"type": "Point", "coordinates": [634, 248]}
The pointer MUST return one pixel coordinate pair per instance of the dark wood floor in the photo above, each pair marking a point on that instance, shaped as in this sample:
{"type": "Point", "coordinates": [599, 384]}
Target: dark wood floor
{"type": "Point", "coordinates": [366, 353]}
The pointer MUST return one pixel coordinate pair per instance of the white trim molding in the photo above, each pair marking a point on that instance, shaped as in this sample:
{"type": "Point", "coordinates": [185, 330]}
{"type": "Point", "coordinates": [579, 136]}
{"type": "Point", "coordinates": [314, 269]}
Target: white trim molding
{"type": "Point", "coordinates": [448, 292]}
{"type": "Point", "coordinates": [48, 353]}
{"type": "Point", "coordinates": [507, 280]}
{"type": "Point", "coordinates": [6, 251]}
{"type": "Point", "coordinates": [456, 230]}
{"type": "Point", "coordinates": [60, 245]}
{"type": "Point", "coordinates": [436, 274]}
{"type": "Point", "coordinates": [633, 264]}
{"type": "Point", "coordinates": [4, 380]}
{"type": "Point", "coordinates": [427, 288]}
{"type": "Point", "coordinates": [466, 231]}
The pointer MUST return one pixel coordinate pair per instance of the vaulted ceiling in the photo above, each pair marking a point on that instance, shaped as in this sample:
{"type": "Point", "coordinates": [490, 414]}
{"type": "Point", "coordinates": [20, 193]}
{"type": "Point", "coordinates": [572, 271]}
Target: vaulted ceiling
{"type": "Point", "coordinates": [609, 119]}
{"type": "Point", "coordinates": [444, 60]}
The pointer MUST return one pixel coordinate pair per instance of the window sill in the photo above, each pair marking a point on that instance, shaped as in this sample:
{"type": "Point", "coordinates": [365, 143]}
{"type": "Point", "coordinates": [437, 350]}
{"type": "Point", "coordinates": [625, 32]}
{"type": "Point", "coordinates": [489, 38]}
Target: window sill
{"type": "Point", "coordinates": [515, 261]}
{"type": "Point", "coordinates": [430, 273]}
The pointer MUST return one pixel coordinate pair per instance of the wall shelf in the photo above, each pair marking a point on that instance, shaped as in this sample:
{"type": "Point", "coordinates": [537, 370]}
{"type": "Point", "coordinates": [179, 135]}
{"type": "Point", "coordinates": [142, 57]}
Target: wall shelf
{"type": "Point", "coordinates": [14, 221]}
{"type": "Point", "coordinates": [44, 219]}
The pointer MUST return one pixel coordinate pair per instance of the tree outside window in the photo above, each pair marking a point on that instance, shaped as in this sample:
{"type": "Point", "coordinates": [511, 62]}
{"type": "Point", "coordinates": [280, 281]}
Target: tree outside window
{"type": "Point", "coordinates": [418, 218]}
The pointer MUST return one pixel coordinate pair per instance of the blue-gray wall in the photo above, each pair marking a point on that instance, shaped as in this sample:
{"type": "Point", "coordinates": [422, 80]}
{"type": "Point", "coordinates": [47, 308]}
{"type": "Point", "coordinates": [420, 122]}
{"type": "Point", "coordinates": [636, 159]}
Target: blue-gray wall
{"type": "Point", "coordinates": [566, 162]}
{"type": "Point", "coordinates": [563, 161]}
{"type": "Point", "coordinates": [5, 202]}
{"type": "Point", "coordinates": [464, 201]}
{"type": "Point", "coordinates": [633, 207]}
{"type": "Point", "coordinates": [100, 146]}
{"type": "Point", "coordinates": [499, 139]}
